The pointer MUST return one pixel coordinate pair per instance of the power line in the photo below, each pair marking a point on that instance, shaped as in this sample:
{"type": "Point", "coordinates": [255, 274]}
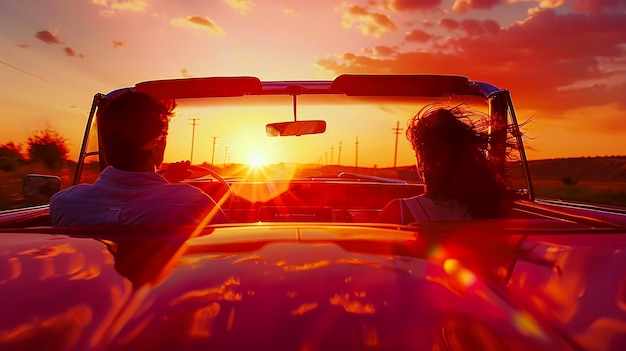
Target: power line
{"type": "Point", "coordinates": [213, 152]}
{"type": "Point", "coordinates": [356, 154]}
{"type": "Point", "coordinates": [396, 131]}
{"type": "Point", "coordinates": [27, 72]}
{"type": "Point", "coordinates": [225, 155]}
{"type": "Point", "coordinates": [193, 134]}
{"type": "Point", "coordinates": [339, 154]}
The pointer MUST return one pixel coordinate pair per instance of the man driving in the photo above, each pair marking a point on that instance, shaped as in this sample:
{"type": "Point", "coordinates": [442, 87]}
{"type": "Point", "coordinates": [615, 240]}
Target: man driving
{"type": "Point", "coordinates": [133, 131]}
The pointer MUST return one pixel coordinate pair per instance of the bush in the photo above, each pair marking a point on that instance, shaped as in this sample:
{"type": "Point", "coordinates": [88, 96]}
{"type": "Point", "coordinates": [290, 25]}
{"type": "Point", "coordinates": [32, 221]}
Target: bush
{"type": "Point", "coordinates": [10, 156]}
{"type": "Point", "coordinates": [49, 147]}
{"type": "Point", "coordinates": [8, 164]}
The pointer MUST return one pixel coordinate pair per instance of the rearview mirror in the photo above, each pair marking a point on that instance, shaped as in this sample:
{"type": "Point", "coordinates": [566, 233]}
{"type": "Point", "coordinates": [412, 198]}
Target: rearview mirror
{"type": "Point", "coordinates": [295, 128]}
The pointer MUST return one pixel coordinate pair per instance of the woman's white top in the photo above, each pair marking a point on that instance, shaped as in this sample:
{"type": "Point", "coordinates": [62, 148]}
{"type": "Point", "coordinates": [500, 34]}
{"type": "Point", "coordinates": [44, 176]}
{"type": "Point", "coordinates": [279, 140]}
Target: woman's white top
{"type": "Point", "coordinates": [425, 209]}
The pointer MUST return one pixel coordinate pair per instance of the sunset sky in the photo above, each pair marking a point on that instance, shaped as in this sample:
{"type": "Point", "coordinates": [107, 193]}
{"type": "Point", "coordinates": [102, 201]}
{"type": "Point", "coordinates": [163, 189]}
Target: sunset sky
{"type": "Point", "coordinates": [563, 60]}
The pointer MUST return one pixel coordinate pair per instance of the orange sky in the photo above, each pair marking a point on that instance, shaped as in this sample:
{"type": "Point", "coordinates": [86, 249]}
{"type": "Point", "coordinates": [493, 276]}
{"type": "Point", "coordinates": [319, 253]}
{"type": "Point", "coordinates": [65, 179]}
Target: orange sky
{"type": "Point", "coordinates": [564, 61]}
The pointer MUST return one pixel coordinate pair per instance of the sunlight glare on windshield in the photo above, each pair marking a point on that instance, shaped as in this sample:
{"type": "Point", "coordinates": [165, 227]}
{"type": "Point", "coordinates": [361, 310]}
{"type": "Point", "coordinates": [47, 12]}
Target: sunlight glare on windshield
{"type": "Point", "coordinates": [256, 160]}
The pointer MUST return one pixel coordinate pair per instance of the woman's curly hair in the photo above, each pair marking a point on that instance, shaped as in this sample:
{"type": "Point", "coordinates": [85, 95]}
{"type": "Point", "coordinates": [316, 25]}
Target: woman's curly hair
{"type": "Point", "coordinates": [467, 174]}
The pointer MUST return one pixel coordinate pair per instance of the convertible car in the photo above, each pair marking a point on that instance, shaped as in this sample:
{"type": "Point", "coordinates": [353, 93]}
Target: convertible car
{"type": "Point", "coordinates": [303, 168]}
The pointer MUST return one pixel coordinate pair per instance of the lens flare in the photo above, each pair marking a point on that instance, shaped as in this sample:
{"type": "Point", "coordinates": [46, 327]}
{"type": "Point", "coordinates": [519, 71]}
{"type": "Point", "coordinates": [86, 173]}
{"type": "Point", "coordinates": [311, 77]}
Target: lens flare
{"type": "Point", "coordinates": [256, 160]}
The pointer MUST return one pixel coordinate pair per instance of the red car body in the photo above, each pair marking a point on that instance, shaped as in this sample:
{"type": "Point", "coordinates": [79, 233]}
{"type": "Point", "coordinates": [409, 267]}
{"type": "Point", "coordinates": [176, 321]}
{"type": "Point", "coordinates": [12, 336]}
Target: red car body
{"type": "Point", "coordinates": [307, 267]}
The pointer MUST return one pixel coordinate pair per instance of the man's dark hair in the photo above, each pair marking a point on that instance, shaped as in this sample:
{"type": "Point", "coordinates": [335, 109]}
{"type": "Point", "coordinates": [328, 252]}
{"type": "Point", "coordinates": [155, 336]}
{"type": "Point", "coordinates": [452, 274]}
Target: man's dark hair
{"type": "Point", "coordinates": [128, 123]}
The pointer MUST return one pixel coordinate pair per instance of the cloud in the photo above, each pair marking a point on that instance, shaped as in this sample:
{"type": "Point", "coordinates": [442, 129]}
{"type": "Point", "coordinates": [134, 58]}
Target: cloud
{"type": "Point", "coordinates": [462, 6]}
{"type": "Point", "coordinates": [584, 6]}
{"type": "Point", "coordinates": [449, 23]}
{"type": "Point", "coordinates": [550, 4]}
{"type": "Point", "coordinates": [122, 5]}
{"type": "Point", "coordinates": [241, 6]}
{"type": "Point", "coordinates": [71, 53]}
{"type": "Point", "coordinates": [118, 44]}
{"type": "Point", "coordinates": [550, 62]}
{"type": "Point", "coordinates": [417, 35]}
{"type": "Point", "coordinates": [491, 27]}
{"type": "Point", "coordinates": [426, 23]}
{"type": "Point", "coordinates": [130, 5]}
{"type": "Point", "coordinates": [204, 23]}
{"type": "Point", "coordinates": [382, 50]}
{"type": "Point", "coordinates": [474, 27]}
{"type": "Point", "coordinates": [471, 27]}
{"type": "Point", "coordinates": [369, 23]}
{"type": "Point", "coordinates": [290, 12]}
{"type": "Point", "coordinates": [598, 6]}
{"type": "Point", "coordinates": [412, 5]}
{"type": "Point", "coordinates": [541, 4]}
{"type": "Point", "coordinates": [48, 37]}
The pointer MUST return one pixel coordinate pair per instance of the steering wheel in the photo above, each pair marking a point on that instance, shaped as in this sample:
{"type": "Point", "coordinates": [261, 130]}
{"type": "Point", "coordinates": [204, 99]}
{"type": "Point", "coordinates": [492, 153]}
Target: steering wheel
{"type": "Point", "coordinates": [204, 171]}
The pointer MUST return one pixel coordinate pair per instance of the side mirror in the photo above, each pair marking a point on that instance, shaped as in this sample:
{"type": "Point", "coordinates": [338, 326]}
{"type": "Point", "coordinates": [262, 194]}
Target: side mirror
{"type": "Point", "coordinates": [40, 185]}
{"type": "Point", "coordinates": [295, 128]}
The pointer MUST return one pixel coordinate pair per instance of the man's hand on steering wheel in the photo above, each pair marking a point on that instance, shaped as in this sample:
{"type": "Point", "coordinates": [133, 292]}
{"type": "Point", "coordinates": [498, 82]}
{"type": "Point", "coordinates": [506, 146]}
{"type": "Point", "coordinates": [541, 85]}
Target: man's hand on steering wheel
{"type": "Point", "coordinates": [177, 171]}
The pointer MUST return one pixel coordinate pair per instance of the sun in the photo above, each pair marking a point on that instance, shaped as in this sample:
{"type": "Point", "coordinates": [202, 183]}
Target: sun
{"type": "Point", "coordinates": [256, 160]}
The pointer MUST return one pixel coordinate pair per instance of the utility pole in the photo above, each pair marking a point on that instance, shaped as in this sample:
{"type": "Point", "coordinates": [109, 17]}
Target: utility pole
{"type": "Point", "coordinates": [396, 131]}
{"type": "Point", "coordinates": [332, 149]}
{"type": "Point", "coordinates": [356, 155]}
{"type": "Point", "coordinates": [225, 155]}
{"type": "Point", "coordinates": [339, 154]}
{"type": "Point", "coordinates": [193, 134]}
{"type": "Point", "coordinates": [213, 152]}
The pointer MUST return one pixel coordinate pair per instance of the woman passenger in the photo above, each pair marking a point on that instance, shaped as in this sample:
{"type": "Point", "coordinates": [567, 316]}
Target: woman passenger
{"type": "Point", "coordinates": [450, 144]}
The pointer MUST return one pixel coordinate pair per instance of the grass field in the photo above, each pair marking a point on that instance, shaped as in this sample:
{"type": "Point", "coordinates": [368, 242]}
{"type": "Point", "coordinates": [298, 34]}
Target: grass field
{"type": "Point", "coordinates": [601, 192]}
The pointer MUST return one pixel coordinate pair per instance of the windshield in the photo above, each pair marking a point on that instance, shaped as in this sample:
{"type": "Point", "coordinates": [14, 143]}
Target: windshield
{"type": "Point", "coordinates": [358, 134]}
{"type": "Point", "coordinates": [364, 135]}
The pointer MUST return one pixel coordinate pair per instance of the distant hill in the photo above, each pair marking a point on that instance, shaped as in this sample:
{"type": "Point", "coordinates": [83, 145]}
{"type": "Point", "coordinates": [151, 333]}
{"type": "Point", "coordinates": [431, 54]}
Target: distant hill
{"type": "Point", "coordinates": [609, 168]}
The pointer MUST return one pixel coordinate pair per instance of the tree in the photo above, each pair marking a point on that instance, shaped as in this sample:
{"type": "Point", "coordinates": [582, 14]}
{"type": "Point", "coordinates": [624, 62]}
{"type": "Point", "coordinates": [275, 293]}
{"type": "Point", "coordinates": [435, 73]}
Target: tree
{"type": "Point", "coordinates": [49, 147]}
{"type": "Point", "coordinates": [10, 156]}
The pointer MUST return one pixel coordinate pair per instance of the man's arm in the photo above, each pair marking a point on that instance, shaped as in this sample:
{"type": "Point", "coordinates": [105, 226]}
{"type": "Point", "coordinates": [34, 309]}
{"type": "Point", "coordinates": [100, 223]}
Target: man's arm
{"type": "Point", "coordinates": [177, 171]}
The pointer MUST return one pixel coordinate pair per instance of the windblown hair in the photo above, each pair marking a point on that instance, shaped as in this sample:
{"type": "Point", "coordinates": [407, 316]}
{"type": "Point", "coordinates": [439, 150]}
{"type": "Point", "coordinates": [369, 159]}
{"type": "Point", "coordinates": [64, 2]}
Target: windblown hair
{"type": "Point", "coordinates": [127, 123]}
{"type": "Point", "coordinates": [452, 143]}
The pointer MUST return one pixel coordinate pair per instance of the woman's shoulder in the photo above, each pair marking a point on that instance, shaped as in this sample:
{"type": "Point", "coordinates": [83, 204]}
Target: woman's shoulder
{"type": "Point", "coordinates": [438, 210]}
